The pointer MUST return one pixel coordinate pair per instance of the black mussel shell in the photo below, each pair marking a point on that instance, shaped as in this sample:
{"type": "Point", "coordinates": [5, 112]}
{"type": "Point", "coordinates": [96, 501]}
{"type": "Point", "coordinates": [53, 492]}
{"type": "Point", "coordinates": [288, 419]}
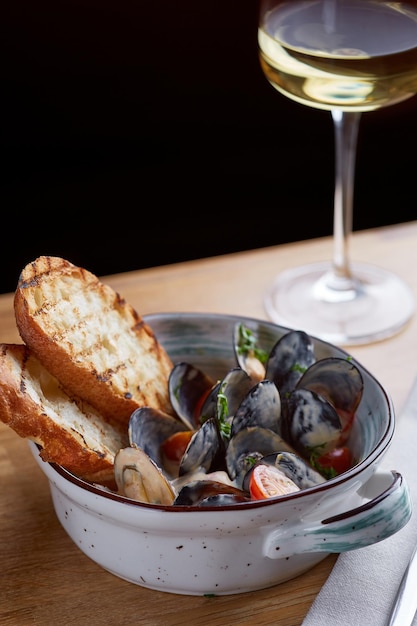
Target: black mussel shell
{"type": "Point", "coordinates": [209, 493]}
{"type": "Point", "coordinates": [260, 407]}
{"type": "Point", "coordinates": [205, 450]}
{"type": "Point", "coordinates": [313, 422]}
{"type": "Point", "coordinates": [224, 499]}
{"type": "Point", "coordinates": [291, 356]}
{"type": "Point", "coordinates": [228, 393]}
{"type": "Point", "coordinates": [209, 406]}
{"type": "Point", "coordinates": [148, 428]}
{"type": "Point", "coordinates": [249, 445]}
{"type": "Point", "coordinates": [235, 386]}
{"type": "Point", "coordinates": [336, 379]}
{"type": "Point", "coordinates": [188, 386]}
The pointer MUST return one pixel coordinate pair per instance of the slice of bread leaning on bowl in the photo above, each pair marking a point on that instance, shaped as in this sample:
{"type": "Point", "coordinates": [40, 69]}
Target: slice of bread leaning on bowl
{"type": "Point", "coordinates": [88, 360]}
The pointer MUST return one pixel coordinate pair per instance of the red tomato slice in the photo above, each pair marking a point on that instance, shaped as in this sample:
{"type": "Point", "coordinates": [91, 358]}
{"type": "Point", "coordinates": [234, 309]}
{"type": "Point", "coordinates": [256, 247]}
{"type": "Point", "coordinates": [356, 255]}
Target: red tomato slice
{"type": "Point", "coordinates": [174, 446]}
{"type": "Point", "coordinates": [267, 481]}
{"type": "Point", "coordinates": [338, 460]}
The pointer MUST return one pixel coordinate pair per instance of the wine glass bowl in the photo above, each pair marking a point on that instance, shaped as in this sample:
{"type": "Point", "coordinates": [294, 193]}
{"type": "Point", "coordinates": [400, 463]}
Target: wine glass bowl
{"type": "Point", "coordinates": [346, 57]}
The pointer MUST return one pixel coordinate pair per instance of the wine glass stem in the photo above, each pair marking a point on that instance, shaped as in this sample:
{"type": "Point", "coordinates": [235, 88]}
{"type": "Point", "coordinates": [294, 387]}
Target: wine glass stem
{"type": "Point", "coordinates": [346, 127]}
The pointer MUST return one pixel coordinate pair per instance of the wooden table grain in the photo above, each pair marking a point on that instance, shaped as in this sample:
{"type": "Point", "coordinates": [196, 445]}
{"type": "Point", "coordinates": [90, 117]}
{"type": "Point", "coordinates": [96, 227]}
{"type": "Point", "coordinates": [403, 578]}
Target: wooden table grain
{"type": "Point", "coordinates": [47, 580]}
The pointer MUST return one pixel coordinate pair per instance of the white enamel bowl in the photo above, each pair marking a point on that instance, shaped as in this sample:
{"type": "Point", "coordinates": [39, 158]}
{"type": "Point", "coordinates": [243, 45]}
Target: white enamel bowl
{"type": "Point", "coordinates": [248, 546]}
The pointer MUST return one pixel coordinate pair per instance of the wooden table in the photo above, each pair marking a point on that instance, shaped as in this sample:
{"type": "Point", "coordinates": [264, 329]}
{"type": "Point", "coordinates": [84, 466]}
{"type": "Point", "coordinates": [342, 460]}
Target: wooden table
{"type": "Point", "coordinates": [46, 580]}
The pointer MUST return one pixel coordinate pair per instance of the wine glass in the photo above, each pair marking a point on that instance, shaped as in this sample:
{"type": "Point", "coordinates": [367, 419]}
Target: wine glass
{"type": "Point", "coordinates": [346, 57]}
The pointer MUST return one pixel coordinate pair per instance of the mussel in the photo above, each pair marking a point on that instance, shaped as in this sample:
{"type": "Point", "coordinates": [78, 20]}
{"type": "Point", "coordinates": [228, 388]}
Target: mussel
{"type": "Point", "coordinates": [289, 359]}
{"type": "Point", "coordinates": [188, 388]}
{"type": "Point", "coordinates": [205, 450]}
{"type": "Point", "coordinates": [249, 355]}
{"type": "Point", "coordinates": [313, 422]}
{"type": "Point", "coordinates": [248, 446]}
{"type": "Point", "coordinates": [148, 429]}
{"type": "Point", "coordinates": [341, 383]}
{"type": "Point", "coordinates": [260, 407]}
{"type": "Point", "coordinates": [209, 493]}
{"type": "Point", "coordinates": [139, 478]}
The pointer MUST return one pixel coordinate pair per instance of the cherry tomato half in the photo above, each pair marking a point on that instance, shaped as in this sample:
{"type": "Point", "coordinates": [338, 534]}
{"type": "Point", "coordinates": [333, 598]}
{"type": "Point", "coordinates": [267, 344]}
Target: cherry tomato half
{"type": "Point", "coordinates": [335, 461]}
{"type": "Point", "coordinates": [267, 481]}
{"type": "Point", "coordinates": [174, 446]}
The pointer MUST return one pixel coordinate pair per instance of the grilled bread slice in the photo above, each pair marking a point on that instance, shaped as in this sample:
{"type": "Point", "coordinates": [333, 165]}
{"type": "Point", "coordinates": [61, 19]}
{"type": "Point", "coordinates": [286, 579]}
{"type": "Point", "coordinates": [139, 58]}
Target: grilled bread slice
{"type": "Point", "coordinates": [68, 431]}
{"type": "Point", "coordinates": [94, 342]}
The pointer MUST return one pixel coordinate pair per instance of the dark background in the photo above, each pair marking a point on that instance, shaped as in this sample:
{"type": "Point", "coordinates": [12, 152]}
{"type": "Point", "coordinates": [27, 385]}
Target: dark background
{"type": "Point", "coordinates": [140, 133]}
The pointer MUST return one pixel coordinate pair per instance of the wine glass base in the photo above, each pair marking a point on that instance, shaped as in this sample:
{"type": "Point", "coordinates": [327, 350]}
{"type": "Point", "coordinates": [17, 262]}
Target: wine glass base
{"type": "Point", "coordinates": [378, 308]}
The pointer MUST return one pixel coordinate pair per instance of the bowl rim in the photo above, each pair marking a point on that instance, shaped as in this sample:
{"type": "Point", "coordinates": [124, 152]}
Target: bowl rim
{"type": "Point", "coordinates": [343, 478]}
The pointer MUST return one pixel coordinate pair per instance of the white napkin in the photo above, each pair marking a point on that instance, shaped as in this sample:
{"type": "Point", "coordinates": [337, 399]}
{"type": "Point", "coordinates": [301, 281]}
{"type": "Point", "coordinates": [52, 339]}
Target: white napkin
{"type": "Point", "coordinates": [363, 583]}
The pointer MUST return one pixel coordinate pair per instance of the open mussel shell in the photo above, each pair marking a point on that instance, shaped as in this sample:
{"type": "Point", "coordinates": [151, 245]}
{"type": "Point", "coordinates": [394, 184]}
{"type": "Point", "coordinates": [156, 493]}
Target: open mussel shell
{"type": "Point", "coordinates": [148, 428]}
{"type": "Point", "coordinates": [293, 466]}
{"type": "Point", "coordinates": [205, 450]}
{"type": "Point", "coordinates": [290, 357]}
{"type": "Point", "coordinates": [338, 380]}
{"type": "Point", "coordinates": [260, 407]}
{"type": "Point", "coordinates": [248, 446]}
{"type": "Point", "coordinates": [209, 493]}
{"type": "Point", "coordinates": [312, 421]}
{"type": "Point", "coordinates": [209, 406]}
{"type": "Point", "coordinates": [234, 387]}
{"type": "Point", "coordinates": [226, 396]}
{"type": "Point", "coordinates": [249, 355]}
{"type": "Point", "coordinates": [224, 499]}
{"type": "Point", "coordinates": [188, 388]}
{"type": "Point", "coordinates": [139, 478]}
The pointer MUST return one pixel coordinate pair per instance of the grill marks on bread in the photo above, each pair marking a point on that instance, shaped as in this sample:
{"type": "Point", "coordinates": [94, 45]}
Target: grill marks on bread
{"type": "Point", "coordinates": [89, 338]}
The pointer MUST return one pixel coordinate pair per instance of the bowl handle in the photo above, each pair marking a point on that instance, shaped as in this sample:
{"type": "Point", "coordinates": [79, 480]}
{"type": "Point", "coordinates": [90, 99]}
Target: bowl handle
{"type": "Point", "coordinates": [375, 520]}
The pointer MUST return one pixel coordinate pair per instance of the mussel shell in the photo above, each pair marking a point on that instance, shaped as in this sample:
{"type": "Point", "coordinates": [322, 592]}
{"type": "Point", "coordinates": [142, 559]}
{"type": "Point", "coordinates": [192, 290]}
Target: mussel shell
{"type": "Point", "coordinates": [139, 478]}
{"type": "Point", "coordinates": [336, 379]}
{"type": "Point", "coordinates": [313, 422]}
{"type": "Point", "coordinates": [148, 428]}
{"type": "Point", "coordinates": [209, 406]}
{"type": "Point", "coordinates": [290, 357]}
{"type": "Point", "coordinates": [235, 386]}
{"type": "Point", "coordinates": [248, 446]}
{"type": "Point", "coordinates": [247, 359]}
{"type": "Point", "coordinates": [293, 466]}
{"type": "Point", "coordinates": [224, 499]}
{"type": "Point", "coordinates": [260, 407]}
{"type": "Point", "coordinates": [209, 493]}
{"type": "Point", "coordinates": [188, 386]}
{"type": "Point", "coordinates": [205, 450]}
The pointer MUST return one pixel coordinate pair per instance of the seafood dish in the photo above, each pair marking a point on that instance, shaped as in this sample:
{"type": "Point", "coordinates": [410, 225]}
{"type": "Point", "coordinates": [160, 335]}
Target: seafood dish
{"type": "Point", "coordinates": [277, 421]}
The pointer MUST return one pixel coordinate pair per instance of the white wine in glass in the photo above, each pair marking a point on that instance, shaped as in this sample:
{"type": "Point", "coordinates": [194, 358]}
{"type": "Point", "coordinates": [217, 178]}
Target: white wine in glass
{"type": "Point", "coordinates": [346, 57]}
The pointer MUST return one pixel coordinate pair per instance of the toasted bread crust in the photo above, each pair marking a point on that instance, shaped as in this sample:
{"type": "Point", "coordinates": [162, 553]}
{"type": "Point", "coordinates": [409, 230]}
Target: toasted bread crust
{"type": "Point", "coordinates": [89, 338]}
{"type": "Point", "coordinates": [69, 433]}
